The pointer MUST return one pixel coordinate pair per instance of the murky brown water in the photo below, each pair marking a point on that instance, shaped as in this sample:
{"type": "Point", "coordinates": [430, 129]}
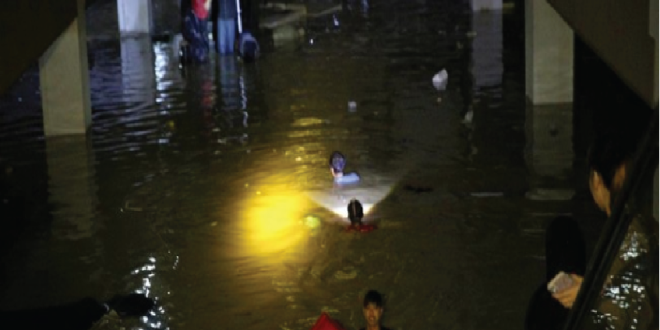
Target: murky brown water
{"type": "Point", "coordinates": [208, 188]}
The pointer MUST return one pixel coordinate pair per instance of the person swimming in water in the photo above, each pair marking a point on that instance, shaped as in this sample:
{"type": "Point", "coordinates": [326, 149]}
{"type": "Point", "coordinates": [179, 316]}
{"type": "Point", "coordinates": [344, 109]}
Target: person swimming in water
{"type": "Point", "coordinates": [337, 163]}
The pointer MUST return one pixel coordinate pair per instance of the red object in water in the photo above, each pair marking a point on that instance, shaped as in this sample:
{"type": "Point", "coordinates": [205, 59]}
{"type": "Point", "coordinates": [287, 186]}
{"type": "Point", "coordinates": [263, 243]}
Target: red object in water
{"type": "Point", "coordinates": [326, 323]}
{"type": "Point", "coordinates": [361, 228]}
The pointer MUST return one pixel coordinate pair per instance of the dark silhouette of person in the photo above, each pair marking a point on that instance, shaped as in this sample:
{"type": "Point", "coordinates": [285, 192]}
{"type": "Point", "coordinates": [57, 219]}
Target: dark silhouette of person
{"type": "Point", "coordinates": [194, 31]}
{"type": "Point", "coordinates": [565, 251]}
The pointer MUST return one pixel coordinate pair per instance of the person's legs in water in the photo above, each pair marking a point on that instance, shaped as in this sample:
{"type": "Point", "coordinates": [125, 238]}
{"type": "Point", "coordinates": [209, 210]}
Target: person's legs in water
{"type": "Point", "coordinates": [231, 35]}
{"type": "Point", "coordinates": [565, 251]}
{"type": "Point", "coordinates": [226, 36]}
{"type": "Point", "coordinates": [221, 39]}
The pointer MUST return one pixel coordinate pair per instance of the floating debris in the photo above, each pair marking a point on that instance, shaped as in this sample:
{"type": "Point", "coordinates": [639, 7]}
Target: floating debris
{"type": "Point", "coordinates": [128, 207]}
{"type": "Point", "coordinates": [348, 273]}
{"type": "Point", "coordinates": [440, 80]}
{"type": "Point", "coordinates": [417, 189]}
{"type": "Point", "coordinates": [487, 194]}
{"type": "Point", "coordinates": [352, 106]}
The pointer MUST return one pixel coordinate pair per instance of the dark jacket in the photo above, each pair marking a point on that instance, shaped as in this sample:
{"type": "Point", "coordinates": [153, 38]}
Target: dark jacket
{"type": "Point", "coordinates": [226, 9]}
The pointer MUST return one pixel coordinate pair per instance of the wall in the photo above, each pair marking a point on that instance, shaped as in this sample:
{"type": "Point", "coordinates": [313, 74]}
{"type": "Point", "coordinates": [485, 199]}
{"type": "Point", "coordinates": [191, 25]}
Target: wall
{"type": "Point", "coordinates": [619, 32]}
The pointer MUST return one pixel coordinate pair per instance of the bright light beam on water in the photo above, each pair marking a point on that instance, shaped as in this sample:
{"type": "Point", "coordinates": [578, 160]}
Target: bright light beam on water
{"type": "Point", "coordinates": [370, 191]}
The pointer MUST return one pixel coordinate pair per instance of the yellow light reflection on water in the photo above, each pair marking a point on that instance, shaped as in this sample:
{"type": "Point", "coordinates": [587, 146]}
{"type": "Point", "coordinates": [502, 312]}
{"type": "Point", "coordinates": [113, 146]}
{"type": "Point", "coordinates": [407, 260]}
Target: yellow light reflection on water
{"type": "Point", "coordinates": [272, 220]}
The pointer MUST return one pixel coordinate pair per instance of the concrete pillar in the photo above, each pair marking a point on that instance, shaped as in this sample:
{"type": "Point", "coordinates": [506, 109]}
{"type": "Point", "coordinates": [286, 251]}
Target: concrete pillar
{"type": "Point", "coordinates": [478, 5]}
{"type": "Point", "coordinates": [549, 134]}
{"type": "Point", "coordinates": [134, 16]}
{"type": "Point", "coordinates": [64, 81]}
{"type": "Point", "coordinates": [71, 186]}
{"type": "Point", "coordinates": [487, 65]}
{"type": "Point", "coordinates": [548, 55]}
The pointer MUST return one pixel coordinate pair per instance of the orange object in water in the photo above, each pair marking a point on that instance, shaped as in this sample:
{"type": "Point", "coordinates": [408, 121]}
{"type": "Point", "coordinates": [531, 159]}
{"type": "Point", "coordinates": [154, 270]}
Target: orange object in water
{"type": "Point", "coordinates": [326, 323]}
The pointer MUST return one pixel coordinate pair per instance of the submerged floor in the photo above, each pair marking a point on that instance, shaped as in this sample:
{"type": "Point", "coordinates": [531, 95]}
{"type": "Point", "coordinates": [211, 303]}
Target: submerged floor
{"type": "Point", "coordinates": [208, 188]}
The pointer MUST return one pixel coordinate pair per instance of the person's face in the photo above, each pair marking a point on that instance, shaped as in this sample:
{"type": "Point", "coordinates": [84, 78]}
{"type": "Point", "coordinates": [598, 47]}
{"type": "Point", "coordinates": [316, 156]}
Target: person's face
{"type": "Point", "coordinates": [599, 192]}
{"type": "Point", "coordinates": [372, 313]}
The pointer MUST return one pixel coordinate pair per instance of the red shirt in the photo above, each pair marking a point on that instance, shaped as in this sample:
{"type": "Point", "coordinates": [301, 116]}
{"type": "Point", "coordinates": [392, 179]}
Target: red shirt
{"type": "Point", "coordinates": [198, 8]}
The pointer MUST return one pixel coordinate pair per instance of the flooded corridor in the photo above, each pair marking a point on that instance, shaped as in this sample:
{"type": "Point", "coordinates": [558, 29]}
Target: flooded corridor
{"type": "Point", "coordinates": [208, 188]}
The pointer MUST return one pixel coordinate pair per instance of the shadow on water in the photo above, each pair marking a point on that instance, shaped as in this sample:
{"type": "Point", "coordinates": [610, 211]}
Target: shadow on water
{"type": "Point", "coordinates": [208, 188]}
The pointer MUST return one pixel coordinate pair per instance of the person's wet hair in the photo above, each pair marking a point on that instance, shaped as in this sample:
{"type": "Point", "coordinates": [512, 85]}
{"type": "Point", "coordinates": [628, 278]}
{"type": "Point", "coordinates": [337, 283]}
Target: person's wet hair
{"type": "Point", "coordinates": [373, 297]}
{"type": "Point", "coordinates": [610, 151]}
{"type": "Point", "coordinates": [337, 161]}
{"type": "Point", "coordinates": [131, 305]}
{"type": "Point", "coordinates": [565, 248]}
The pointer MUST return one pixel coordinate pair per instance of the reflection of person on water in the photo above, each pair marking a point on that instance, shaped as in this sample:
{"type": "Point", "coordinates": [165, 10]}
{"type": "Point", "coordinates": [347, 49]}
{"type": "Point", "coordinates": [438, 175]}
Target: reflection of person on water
{"type": "Point", "coordinates": [233, 98]}
{"type": "Point", "coordinates": [79, 315]}
{"type": "Point", "coordinates": [337, 163]}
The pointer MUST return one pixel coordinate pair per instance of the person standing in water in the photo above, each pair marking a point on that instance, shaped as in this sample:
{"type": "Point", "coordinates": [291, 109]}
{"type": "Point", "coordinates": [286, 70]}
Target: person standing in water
{"type": "Point", "coordinates": [225, 27]}
{"type": "Point", "coordinates": [196, 46]}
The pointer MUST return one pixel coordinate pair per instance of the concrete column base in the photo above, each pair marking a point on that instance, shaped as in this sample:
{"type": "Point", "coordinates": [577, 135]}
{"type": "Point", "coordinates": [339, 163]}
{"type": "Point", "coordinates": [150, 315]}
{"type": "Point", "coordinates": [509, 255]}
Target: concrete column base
{"type": "Point", "coordinates": [64, 81]}
{"type": "Point", "coordinates": [71, 186]}
{"type": "Point", "coordinates": [478, 5]}
{"type": "Point", "coordinates": [549, 134]}
{"type": "Point", "coordinates": [548, 55]}
{"type": "Point", "coordinates": [549, 150]}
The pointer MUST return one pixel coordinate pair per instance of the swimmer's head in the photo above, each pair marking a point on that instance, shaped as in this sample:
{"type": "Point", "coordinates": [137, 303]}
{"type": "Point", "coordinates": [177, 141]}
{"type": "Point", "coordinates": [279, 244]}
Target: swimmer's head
{"type": "Point", "coordinates": [372, 307]}
{"type": "Point", "coordinates": [337, 163]}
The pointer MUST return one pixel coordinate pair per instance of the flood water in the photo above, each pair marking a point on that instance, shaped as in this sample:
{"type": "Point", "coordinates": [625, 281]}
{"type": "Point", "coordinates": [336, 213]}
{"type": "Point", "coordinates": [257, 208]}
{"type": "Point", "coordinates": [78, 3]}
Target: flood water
{"type": "Point", "coordinates": [208, 188]}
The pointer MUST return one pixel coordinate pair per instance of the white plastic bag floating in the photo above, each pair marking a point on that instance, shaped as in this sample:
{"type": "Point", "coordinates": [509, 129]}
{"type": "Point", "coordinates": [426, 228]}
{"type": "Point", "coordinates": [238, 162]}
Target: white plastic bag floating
{"type": "Point", "coordinates": [352, 106]}
{"type": "Point", "coordinates": [440, 80]}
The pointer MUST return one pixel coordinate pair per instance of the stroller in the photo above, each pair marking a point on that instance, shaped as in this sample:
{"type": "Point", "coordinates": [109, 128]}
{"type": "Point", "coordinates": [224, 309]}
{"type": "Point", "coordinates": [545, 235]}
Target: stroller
{"type": "Point", "coordinates": [248, 47]}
